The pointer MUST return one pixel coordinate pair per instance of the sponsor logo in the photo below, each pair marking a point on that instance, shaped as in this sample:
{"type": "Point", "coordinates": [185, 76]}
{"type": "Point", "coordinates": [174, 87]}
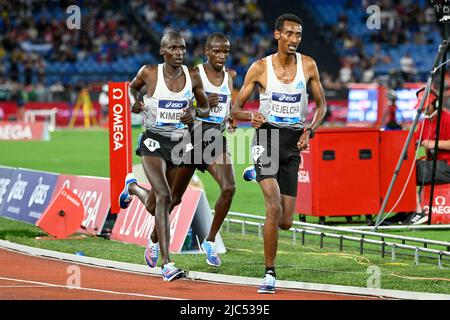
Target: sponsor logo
{"type": "Point", "coordinates": [174, 105]}
{"type": "Point", "coordinates": [303, 176]}
{"type": "Point", "coordinates": [440, 206]}
{"type": "Point", "coordinates": [287, 98]}
{"type": "Point", "coordinates": [39, 193]}
{"type": "Point", "coordinates": [4, 183]}
{"type": "Point", "coordinates": [300, 85]}
{"type": "Point", "coordinates": [15, 132]}
{"type": "Point", "coordinates": [91, 200]}
{"type": "Point", "coordinates": [118, 126]}
{"type": "Point", "coordinates": [18, 189]}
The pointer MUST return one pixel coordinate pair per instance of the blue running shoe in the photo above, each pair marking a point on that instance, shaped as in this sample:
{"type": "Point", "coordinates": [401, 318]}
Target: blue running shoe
{"type": "Point", "coordinates": [125, 198]}
{"type": "Point", "coordinates": [212, 258]}
{"type": "Point", "coordinates": [249, 174]}
{"type": "Point", "coordinates": [151, 254]}
{"type": "Point", "coordinates": [170, 272]}
{"type": "Point", "coordinates": [268, 284]}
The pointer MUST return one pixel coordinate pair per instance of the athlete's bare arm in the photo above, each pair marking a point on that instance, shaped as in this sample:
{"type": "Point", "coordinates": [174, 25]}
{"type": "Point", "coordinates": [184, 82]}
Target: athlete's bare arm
{"type": "Point", "coordinates": [312, 73]}
{"type": "Point", "coordinates": [199, 93]}
{"type": "Point", "coordinates": [252, 78]}
{"type": "Point", "coordinates": [231, 75]}
{"type": "Point", "coordinates": [145, 76]}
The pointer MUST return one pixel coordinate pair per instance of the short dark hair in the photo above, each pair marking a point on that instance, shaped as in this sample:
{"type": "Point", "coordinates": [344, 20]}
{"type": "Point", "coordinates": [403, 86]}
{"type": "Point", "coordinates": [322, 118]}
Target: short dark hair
{"type": "Point", "coordinates": [215, 36]}
{"type": "Point", "coordinates": [170, 35]}
{"type": "Point", "coordinates": [287, 17]}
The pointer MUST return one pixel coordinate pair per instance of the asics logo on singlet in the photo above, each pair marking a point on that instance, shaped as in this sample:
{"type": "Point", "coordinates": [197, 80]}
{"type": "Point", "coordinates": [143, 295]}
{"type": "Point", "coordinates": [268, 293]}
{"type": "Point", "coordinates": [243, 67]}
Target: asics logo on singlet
{"type": "Point", "coordinates": [174, 105]}
{"type": "Point", "coordinates": [283, 97]}
{"type": "Point", "coordinates": [287, 98]}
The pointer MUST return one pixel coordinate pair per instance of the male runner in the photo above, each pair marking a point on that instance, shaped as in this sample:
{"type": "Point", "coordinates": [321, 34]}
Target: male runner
{"type": "Point", "coordinates": [209, 151]}
{"type": "Point", "coordinates": [280, 129]}
{"type": "Point", "coordinates": [167, 111]}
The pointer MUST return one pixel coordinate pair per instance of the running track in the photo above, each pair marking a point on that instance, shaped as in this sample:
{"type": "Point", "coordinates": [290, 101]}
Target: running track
{"type": "Point", "coordinates": [23, 276]}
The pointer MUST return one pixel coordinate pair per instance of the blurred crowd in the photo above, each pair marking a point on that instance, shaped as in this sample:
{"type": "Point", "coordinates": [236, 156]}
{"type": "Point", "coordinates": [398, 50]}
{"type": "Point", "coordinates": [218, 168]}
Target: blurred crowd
{"type": "Point", "coordinates": [41, 59]}
{"type": "Point", "coordinates": [406, 26]}
{"type": "Point", "coordinates": [241, 20]}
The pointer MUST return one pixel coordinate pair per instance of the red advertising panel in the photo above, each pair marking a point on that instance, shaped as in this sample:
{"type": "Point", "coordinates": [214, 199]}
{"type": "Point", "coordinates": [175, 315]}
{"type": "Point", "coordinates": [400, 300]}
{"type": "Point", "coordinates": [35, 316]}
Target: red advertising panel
{"type": "Point", "coordinates": [94, 194]}
{"type": "Point", "coordinates": [120, 145]}
{"type": "Point", "coordinates": [441, 204]}
{"type": "Point", "coordinates": [65, 112]}
{"type": "Point", "coordinates": [135, 224]}
{"type": "Point", "coordinates": [23, 131]}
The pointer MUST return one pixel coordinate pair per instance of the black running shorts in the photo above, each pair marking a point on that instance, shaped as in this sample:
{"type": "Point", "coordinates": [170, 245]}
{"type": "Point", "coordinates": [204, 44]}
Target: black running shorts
{"type": "Point", "coordinates": [156, 145]}
{"type": "Point", "coordinates": [207, 144]}
{"type": "Point", "coordinates": [276, 155]}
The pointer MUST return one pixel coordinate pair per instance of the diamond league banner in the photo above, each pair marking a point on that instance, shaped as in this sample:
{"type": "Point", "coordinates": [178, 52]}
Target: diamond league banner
{"type": "Point", "coordinates": [94, 194]}
{"type": "Point", "coordinates": [29, 194]}
{"type": "Point", "coordinates": [135, 224]}
{"type": "Point", "coordinates": [6, 175]}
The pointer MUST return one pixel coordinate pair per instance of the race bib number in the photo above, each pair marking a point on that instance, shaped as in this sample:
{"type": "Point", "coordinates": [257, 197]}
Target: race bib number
{"type": "Point", "coordinates": [285, 108]}
{"type": "Point", "coordinates": [169, 112]}
{"type": "Point", "coordinates": [257, 152]}
{"type": "Point", "coordinates": [218, 113]}
{"type": "Point", "coordinates": [151, 144]}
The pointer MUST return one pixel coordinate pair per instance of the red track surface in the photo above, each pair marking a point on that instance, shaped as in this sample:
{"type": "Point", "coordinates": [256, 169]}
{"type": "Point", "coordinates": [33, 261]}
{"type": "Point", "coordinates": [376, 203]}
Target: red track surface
{"type": "Point", "coordinates": [28, 277]}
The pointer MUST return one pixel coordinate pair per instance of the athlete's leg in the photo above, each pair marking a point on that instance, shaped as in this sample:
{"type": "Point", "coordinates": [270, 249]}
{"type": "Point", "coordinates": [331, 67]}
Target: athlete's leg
{"type": "Point", "coordinates": [287, 216]}
{"type": "Point", "coordinates": [178, 181]}
{"type": "Point", "coordinates": [272, 198]}
{"type": "Point", "coordinates": [222, 171]}
{"type": "Point", "coordinates": [155, 169]}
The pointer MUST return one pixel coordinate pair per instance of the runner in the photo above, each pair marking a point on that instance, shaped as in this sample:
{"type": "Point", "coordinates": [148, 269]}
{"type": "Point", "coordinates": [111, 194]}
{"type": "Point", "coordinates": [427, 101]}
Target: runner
{"type": "Point", "coordinates": [167, 112]}
{"type": "Point", "coordinates": [280, 129]}
{"type": "Point", "coordinates": [209, 151]}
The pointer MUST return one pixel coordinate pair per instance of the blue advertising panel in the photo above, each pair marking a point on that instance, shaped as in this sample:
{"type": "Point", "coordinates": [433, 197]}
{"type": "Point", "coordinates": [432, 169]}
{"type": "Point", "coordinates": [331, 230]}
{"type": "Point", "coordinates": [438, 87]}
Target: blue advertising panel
{"type": "Point", "coordinates": [362, 105]}
{"type": "Point", "coordinates": [6, 175]}
{"type": "Point", "coordinates": [29, 195]}
{"type": "Point", "coordinates": [406, 100]}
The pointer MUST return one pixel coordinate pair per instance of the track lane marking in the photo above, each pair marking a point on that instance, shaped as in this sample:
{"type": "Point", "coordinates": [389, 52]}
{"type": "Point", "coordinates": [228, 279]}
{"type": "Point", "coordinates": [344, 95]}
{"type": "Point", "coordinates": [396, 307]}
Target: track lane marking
{"type": "Point", "coordinates": [51, 285]}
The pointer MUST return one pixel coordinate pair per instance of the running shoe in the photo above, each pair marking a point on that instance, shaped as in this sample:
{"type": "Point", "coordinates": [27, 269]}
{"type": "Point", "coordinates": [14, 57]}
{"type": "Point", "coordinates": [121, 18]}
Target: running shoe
{"type": "Point", "coordinates": [170, 272]}
{"type": "Point", "coordinates": [249, 174]}
{"type": "Point", "coordinates": [209, 248]}
{"type": "Point", "coordinates": [151, 254]}
{"type": "Point", "coordinates": [268, 284]}
{"type": "Point", "coordinates": [418, 218]}
{"type": "Point", "coordinates": [125, 197]}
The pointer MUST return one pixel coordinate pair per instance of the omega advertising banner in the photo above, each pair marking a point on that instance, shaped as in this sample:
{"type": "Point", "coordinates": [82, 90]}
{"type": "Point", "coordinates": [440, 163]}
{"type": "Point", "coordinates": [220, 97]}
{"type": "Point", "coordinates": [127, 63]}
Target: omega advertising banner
{"type": "Point", "coordinates": [440, 213]}
{"type": "Point", "coordinates": [120, 144]}
{"type": "Point", "coordinates": [135, 224]}
{"type": "Point", "coordinates": [94, 194]}
{"type": "Point", "coordinates": [24, 131]}
{"type": "Point", "coordinates": [6, 175]}
{"type": "Point", "coordinates": [29, 194]}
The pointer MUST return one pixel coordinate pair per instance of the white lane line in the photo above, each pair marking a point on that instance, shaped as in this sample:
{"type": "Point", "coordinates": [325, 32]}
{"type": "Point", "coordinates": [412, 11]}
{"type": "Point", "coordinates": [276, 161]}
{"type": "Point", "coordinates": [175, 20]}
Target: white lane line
{"type": "Point", "coordinates": [23, 286]}
{"type": "Point", "coordinates": [45, 284]}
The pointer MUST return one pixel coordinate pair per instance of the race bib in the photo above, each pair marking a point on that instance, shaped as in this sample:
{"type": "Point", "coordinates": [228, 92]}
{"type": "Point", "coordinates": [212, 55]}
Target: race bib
{"type": "Point", "coordinates": [285, 108]}
{"type": "Point", "coordinates": [257, 152]}
{"type": "Point", "coordinates": [151, 144]}
{"type": "Point", "coordinates": [218, 113]}
{"type": "Point", "coordinates": [169, 112]}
